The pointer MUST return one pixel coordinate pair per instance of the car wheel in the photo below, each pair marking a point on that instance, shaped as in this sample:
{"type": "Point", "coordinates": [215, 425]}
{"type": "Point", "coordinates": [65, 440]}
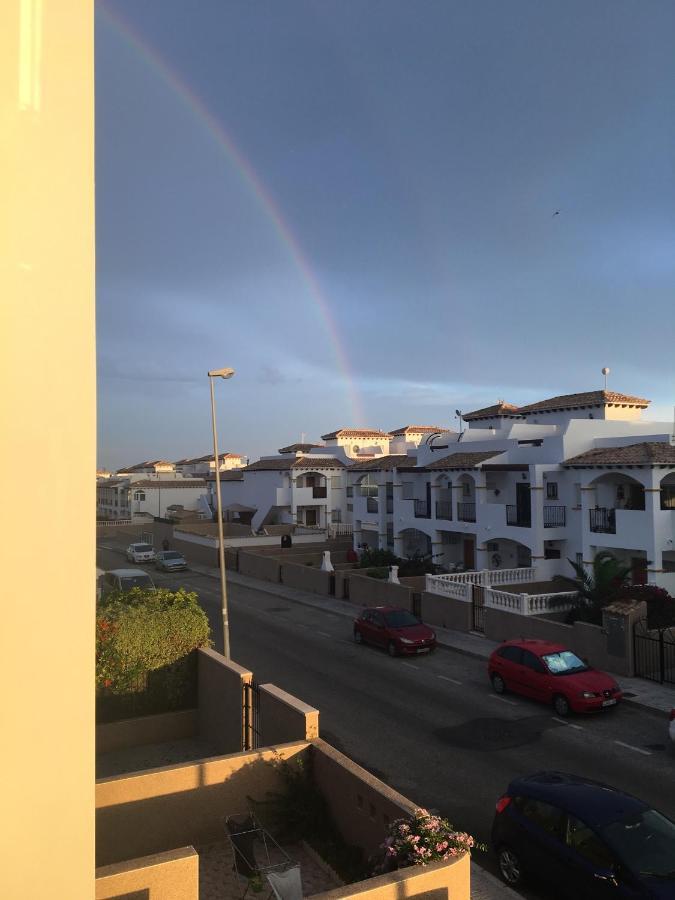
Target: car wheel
{"type": "Point", "coordinates": [561, 705]}
{"type": "Point", "coordinates": [391, 649]}
{"type": "Point", "coordinates": [498, 684]}
{"type": "Point", "coordinates": [358, 637]}
{"type": "Point", "coordinates": [509, 866]}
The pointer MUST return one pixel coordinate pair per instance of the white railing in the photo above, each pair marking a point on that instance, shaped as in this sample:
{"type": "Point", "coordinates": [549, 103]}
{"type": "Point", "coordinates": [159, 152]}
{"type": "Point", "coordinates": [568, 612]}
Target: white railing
{"type": "Point", "coordinates": [530, 604]}
{"type": "Point", "coordinates": [458, 590]}
{"type": "Point", "coordinates": [488, 577]}
{"type": "Point", "coordinates": [340, 529]}
{"type": "Point", "coordinates": [108, 523]}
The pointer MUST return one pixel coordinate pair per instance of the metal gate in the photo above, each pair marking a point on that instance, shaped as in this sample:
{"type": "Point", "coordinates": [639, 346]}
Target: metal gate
{"type": "Point", "coordinates": [654, 652]}
{"type": "Point", "coordinates": [417, 605]}
{"type": "Point", "coordinates": [478, 607]}
{"type": "Point", "coordinates": [251, 716]}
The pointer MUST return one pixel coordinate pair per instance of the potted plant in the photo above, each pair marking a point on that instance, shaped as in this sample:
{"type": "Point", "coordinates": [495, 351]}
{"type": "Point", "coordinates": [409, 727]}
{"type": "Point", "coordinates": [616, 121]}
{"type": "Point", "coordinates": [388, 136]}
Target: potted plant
{"type": "Point", "coordinates": [421, 839]}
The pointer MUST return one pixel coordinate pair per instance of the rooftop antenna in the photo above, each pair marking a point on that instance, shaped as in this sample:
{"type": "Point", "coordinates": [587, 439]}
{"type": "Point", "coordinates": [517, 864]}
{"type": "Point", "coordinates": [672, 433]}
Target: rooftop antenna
{"type": "Point", "coordinates": [606, 370]}
{"type": "Point", "coordinates": [458, 413]}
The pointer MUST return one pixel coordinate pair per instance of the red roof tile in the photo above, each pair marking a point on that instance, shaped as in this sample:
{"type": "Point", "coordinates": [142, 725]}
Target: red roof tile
{"type": "Point", "coordinates": [589, 398]}
{"type": "Point", "coordinates": [647, 453]}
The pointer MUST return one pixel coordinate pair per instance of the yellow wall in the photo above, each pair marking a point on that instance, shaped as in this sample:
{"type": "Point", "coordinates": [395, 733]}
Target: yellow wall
{"type": "Point", "coordinates": [47, 448]}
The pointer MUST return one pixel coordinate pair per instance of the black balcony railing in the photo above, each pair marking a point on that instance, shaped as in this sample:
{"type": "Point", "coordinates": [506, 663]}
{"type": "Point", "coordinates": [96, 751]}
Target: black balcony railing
{"type": "Point", "coordinates": [319, 493]}
{"type": "Point", "coordinates": [422, 509]}
{"type": "Point", "coordinates": [554, 516]}
{"type": "Point", "coordinates": [466, 512]}
{"type": "Point", "coordinates": [521, 518]}
{"type": "Point", "coordinates": [444, 509]}
{"type": "Point", "coordinates": [603, 521]}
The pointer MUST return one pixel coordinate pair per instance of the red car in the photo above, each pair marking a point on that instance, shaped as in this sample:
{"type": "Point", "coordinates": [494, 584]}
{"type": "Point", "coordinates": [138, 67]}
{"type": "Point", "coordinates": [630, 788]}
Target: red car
{"type": "Point", "coordinates": [552, 673]}
{"type": "Point", "coordinates": [397, 630]}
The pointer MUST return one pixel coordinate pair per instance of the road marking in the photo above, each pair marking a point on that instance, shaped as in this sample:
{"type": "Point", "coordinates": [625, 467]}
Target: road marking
{"type": "Point", "coordinates": [324, 634]}
{"type": "Point", "coordinates": [503, 699]}
{"type": "Point", "coordinates": [631, 747]}
{"type": "Point", "coordinates": [410, 665]}
{"type": "Point", "coordinates": [446, 678]}
{"type": "Point", "coordinates": [569, 724]}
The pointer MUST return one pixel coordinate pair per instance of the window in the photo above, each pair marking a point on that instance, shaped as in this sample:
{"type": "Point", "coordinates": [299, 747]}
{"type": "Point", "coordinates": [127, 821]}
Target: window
{"type": "Point", "coordinates": [466, 489]}
{"type": "Point", "coordinates": [335, 515]}
{"type": "Point", "coordinates": [587, 844]}
{"type": "Point", "coordinates": [350, 507]}
{"type": "Point", "coordinates": [512, 654]}
{"type": "Point", "coordinates": [408, 490]}
{"type": "Point", "coordinates": [577, 494]}
{"type": "Point", "coordinates": [579, 559]}
{"type": "Point", "coordinates": [552, 490]}
{"type": "Point", "coordinates": [533, 662]}
{"type": "Point", "coordinates": [548, 818]}
{"type": "Point", "coordinates": [335, 482]}
{"type": "Point", "coordinates": [350, 490]}
{"type": "Point", "coordinates": [139, 495]}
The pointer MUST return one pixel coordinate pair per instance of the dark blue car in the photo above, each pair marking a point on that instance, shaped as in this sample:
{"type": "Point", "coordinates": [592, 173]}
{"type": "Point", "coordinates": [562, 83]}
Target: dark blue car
{"type": "Point", "coordinates": [585, 840]}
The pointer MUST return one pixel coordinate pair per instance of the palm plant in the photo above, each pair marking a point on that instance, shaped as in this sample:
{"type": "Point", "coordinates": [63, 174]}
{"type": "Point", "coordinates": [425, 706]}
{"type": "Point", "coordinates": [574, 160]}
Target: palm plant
{"type": "Point", "coordinates": [603, 584]}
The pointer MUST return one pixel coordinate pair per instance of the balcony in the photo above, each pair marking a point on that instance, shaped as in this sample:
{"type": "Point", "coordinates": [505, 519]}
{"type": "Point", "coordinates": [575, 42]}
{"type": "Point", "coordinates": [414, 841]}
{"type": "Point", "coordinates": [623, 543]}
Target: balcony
{"type": "Point", "coordinates": [371, 504]}
{"type": "Point", "coordinates": [521, 518]}
{"type": "Point", "coordinates": [466, 512]}
{"type": "Point", "coordinates": [319, 493]}
{"type": "Point", "coordinates": [444, 509]}
{"type": "Point", "coordinates": [422, 509]}
{"type": "Point", "coordinates": [554, 516]}
{"type": "Point", "coordinates": [603, 521]}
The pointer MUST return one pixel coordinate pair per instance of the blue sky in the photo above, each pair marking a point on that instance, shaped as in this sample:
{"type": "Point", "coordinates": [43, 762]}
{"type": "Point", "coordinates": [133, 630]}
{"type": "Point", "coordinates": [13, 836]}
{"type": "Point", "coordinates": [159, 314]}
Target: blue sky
{"type": "Point", "coordinates": [417, 153]}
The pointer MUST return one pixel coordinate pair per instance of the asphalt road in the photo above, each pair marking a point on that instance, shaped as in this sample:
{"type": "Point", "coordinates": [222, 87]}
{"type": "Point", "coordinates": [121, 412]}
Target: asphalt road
{"type": "Point", "coordinates": [430, 726]}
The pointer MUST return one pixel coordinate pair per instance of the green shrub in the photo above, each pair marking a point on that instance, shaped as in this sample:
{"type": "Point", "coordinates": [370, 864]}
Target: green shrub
{"type": "Point", "coordinates": [372, 558]}
{"type": "Point", "coordinates": [144, 650]}
{"type": "Point", "coordinates": [382, 573]}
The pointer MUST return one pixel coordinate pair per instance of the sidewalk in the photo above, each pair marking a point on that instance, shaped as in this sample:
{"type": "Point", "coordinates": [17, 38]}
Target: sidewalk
{"type": "Point", "coordinates": [638, 691]}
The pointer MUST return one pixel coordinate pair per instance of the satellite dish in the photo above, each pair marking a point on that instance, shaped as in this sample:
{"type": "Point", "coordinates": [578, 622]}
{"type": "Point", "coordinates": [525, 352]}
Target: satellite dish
{"type": "Point", "coordinates": [458, 412]}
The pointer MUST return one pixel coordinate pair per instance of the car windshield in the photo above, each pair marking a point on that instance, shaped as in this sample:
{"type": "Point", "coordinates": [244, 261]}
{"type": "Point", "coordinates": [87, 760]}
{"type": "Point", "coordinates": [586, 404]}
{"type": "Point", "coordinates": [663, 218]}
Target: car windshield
{"type": "Point", "coordinates": [400, 619]}
{"type": "Point", "coordinates": [142, 548]}
{"type": "Point", "coordinates": [171, 554]}
{"type": "Point", "coordinates": [564, 663]}
{"type": "Point", "coordinates": [645, 841]}
{"type": "Point", "coordinates": [136, 581]}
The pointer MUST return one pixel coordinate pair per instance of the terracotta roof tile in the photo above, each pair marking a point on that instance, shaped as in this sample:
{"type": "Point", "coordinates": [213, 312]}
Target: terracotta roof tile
{"type": "Point", "coordinates": [281, 463]}
{"type": "Point", "coordinates": [168, 484]}
{"type": "Point", "coordinates": [468, 460]}
{"type": "Point", "coordinates": [648, 453]}
{"type": "Point", "coordinates": [272, 464]}
{"type": "Point", "coordinates": [424, 429]}
{"type": "Point", "coordinates": [589, 398]}
{"type": "Point", "coordinates": [299, 448]}
{"type": "Point", "coordinates": [383, 463]}
{"type": "Point", "coordinates": [317, 462]}
{"type": "Point", "coordinates": [355, 432]}
{"type": "Point", "coordinates": [491, 412]}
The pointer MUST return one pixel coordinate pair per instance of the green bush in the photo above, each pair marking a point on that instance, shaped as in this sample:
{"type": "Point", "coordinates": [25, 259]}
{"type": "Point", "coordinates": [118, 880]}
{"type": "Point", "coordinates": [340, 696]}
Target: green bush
{"type": "Point", "coordinates": [144, 650]}
{"type": "Point", "coordinates": [382, 573]}
{"type": "Point", "coordinates": [372, 558]}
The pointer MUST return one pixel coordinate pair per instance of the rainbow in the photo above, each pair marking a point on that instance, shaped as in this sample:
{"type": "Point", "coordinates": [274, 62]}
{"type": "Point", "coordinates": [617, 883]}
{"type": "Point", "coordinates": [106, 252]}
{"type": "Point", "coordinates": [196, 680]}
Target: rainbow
{"type": "Point", "coordinates": [255, 188]}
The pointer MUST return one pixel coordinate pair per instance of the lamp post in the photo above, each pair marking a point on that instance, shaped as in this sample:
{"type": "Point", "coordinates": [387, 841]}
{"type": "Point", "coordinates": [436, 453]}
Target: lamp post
{"type": "Point", "coordinates": [220, 373]}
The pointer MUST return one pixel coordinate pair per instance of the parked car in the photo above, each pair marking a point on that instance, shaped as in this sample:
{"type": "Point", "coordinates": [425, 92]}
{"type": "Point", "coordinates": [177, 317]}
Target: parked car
{"type": "Point", "coordinates": [170, 561]}
{"type": "Point", "coordinates": [140, 553]}
{"type": "Point", "coordinates": [671, 726]}
{"type": "Point", "coordinates": [553, 674]}
{"type": "Point", "coordinates": [124, 580]}
{"type": "Point", "coordinates": [397, 630]}
{"type": "Point", "coordinates": [587, 840]}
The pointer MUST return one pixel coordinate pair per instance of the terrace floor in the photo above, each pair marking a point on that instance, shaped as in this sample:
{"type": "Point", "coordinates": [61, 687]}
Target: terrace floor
{"type": "Point", "coordinates": [153, 756]}
{"type": "Point", "coordinates": [218, 880]}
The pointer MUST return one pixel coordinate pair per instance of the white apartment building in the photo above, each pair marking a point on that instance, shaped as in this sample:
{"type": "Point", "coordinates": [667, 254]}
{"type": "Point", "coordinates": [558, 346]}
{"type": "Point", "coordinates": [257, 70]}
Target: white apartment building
{"type": "Point", "coordinates": [201, 466]}
{"type": "Point", "coordinates": [531, 486]}
{"type": "Point", "coordinates": [149, 489]}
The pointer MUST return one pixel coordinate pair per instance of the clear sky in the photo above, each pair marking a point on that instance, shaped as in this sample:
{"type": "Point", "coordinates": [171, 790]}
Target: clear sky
{"type": "Point", "coordinates": [353, 203]}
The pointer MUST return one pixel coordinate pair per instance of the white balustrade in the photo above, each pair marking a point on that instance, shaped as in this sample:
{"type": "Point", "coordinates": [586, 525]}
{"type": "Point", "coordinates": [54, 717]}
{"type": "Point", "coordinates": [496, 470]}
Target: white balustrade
{"type": "Point", "coordinates": [530, 604]}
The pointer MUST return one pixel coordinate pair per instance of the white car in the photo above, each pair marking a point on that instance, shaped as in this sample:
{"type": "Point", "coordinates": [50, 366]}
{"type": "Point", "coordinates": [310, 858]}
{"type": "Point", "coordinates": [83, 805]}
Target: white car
{"type": "Point", "coordinates": [140, 553]}
{"type": "Point", "coordinates": [124, 580]}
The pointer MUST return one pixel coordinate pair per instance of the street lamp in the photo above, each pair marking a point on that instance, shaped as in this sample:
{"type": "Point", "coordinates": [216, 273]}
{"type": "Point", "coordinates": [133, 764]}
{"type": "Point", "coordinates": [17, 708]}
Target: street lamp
{"type": "Point", "coordinates": [220, 373]}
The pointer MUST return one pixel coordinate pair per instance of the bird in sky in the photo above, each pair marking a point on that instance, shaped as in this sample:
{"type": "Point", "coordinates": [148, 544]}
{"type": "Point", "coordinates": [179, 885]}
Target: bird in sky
{"type": "Point", "coordinates": [556, 213]}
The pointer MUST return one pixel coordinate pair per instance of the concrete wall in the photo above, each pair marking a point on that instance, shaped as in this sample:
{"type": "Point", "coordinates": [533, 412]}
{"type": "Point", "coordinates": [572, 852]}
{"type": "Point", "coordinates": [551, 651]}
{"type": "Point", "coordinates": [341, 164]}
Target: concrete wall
{"type": "Point", "coordinates": [258, 566]}
{"type": "Point", "coordinates": [221, 697]}
{"type": "Point", "coordinates": [164, 876]}
{"type": "Point", "coordinates": [437, 881]}
{"type": "Point", "coordinates": [284, 718]}
{"type": "Point", "coordinates": [48, 411]}
{"type": "Point", "coordinates": [306, 578]}
{"type": "Point", "coordinates": [446, 612]}
{"type": "Point", "coordinates": [173, 726]}
{"type": "Point", "coordinates": [182, 805]}
{"type": "Point", "coordinates": [374, 592]}
{"type": "Point", "coordinates": [361, 805]}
